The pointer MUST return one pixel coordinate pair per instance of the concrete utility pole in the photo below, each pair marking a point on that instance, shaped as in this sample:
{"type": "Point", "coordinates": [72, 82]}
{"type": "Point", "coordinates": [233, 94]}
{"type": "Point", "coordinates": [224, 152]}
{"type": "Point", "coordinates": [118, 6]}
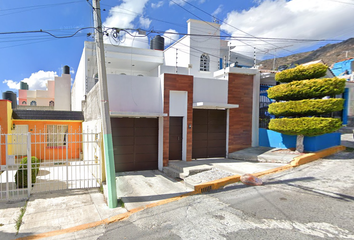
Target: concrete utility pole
{"type": "Point", "coordinates": [106, 120]}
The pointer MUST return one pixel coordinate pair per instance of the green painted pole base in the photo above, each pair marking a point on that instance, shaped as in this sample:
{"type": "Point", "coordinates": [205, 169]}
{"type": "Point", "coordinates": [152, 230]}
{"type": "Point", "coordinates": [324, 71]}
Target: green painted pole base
{"type": "Point", "coordinates": [110, 171]}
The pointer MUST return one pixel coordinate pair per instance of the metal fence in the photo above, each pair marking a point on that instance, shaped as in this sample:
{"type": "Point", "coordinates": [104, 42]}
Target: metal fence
{"type": "Point", "coordinates": [60, 159]}
{"type": "Point", "coordinates": [264, 102]}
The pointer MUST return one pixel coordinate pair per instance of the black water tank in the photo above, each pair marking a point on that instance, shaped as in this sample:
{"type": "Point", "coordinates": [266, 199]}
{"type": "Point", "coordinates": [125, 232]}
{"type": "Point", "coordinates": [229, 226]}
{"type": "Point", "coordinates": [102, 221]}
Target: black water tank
{"type": "Point", "coordinates": [157, 43]}
{"type": "Point", "coordinates": [23, 86]}
{"type": "Point", "coordinates": [11, 96]}
{"type": "Point", "coordinates": [66, 69]}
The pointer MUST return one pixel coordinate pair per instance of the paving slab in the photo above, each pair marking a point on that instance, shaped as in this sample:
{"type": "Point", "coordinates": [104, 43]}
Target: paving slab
{"type": "Point", "coordinates": [221, 168]}
{"type": "Point", "coordinates": [139, 188]}
{"type": "Point", "coordinates": [9, 212]}
{"type": "Point", "coordinates": [64, 209]}
{"type": "Point", "coordinates": [348, 140]}
{"type": "Point", "coordinates": [264, 154]}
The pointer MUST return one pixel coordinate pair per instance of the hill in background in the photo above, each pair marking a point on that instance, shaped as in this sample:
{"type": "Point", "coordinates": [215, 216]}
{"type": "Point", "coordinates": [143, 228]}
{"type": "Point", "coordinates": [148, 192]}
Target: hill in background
{"type": "Point", "coordinates": [329, 54]}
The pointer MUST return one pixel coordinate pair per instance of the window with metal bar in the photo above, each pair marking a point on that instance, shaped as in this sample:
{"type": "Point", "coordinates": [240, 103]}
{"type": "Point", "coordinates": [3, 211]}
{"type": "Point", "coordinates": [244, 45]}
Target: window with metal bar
{"type": "Point", "coordinates": [56, 135]}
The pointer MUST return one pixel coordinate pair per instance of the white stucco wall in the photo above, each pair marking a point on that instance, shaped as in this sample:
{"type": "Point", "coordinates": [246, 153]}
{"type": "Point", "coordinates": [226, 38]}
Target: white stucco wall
{"type": "Point", "coordinates": [200, 45]}
{"type": "Point", "coordinates": [134, 94]}
{"type": "Point", "coordinates": [181, 50]}
{"type": "Point", "coordinates": [62, 92]}
{"type": "Point", "coordinates": [210, 90]}
{"type": "Point", "coordinates": [78, 88]}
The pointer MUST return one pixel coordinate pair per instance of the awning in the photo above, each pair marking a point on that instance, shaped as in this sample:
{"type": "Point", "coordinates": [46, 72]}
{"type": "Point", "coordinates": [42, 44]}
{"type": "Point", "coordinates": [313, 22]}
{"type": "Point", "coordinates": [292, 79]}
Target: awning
{"type": "Point", "coordinates": [209, 105]}
{"type": "Point", "coordinates": [137, 114]}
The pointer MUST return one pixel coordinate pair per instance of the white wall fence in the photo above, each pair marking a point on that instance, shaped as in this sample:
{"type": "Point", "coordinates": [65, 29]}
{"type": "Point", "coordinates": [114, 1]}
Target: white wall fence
{"type": "Point", "coordinates": [65, 161]}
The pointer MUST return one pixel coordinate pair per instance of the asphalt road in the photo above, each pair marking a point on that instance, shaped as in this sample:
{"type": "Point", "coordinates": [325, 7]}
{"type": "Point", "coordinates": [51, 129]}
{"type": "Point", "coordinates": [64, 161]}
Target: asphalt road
{"type": "Point", "coordinates": [313, 201]}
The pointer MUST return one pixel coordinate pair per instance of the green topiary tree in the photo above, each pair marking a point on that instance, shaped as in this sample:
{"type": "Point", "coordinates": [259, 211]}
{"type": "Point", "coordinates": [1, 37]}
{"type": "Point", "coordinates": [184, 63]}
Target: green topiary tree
{"type": "Point", "coordinates": [300, 102]}
{"type": "Point", "coordinates": [21, 174]}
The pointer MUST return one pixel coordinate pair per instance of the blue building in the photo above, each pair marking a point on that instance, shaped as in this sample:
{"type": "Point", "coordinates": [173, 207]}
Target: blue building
{"type": "Point", "coordinates": [345, 69]}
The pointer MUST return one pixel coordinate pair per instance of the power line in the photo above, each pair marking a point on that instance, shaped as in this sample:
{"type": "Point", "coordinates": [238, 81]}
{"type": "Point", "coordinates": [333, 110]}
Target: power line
{"type": "Point", "coordinates": [250, 38]}
{"type": "Point", "coordinates": [46, 32]}
{"type": "Point", "coordinates": [34, 7]}
{"type": "Point", "coordinates": [228, 25]}
{"type": "Point", "coordinates": [135, 13]}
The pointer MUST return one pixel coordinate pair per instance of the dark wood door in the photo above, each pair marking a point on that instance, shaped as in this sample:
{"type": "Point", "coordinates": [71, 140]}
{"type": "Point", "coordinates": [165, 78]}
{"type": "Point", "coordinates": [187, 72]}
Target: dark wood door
{"type": "Point", "coordinates": [175, 143]}
{"type": "Point", "coordinates": [209, 133]}
{"type": "Point", "coordinates": [135, 143]}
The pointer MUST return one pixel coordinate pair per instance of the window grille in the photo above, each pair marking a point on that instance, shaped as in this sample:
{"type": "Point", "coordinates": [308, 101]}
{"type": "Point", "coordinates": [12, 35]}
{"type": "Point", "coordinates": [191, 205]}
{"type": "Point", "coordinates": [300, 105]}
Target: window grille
{"type": "Point", "coordinates": [56, 135]}
{"type": "Point", "coordinates": [204, 62]}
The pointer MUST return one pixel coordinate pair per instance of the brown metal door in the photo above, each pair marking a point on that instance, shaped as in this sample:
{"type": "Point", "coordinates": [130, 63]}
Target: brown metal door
{"type": "Point", "coordinates": [209, 133]}
{"type": "Point", "coordinates": [135, 143]}
{"type": "Point", "coordinates": [175, 143]}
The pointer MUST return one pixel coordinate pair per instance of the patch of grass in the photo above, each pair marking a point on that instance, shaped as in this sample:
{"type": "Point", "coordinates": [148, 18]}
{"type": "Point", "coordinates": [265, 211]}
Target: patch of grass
{"type": "Point", "coordinates": [101, 188]}
{"type": "Point", "coordinates": [349, 149]}
{"type": "Point", "coordinates": [19, 218]}
{"type": "Point", "coordinates": [120, 203]}
{"type": "Point", "coordinates": [59, 163]}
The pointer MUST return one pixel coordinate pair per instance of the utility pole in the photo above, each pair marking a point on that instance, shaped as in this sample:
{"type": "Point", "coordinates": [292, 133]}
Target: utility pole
{"type": "Point", "coordinates": [346, 53]}
{"type": "Point", "coordinates": [106, 120]}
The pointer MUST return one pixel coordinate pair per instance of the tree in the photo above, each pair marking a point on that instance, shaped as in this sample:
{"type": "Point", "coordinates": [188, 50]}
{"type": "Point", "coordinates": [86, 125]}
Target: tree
{"type": "Point", "coordinates": [300, 104]}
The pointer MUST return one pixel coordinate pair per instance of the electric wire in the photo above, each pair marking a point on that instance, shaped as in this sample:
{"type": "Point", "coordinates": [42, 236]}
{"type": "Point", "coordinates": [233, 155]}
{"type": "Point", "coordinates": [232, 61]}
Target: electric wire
{"type": "Point", "coordinates": [30, 8]}
{"type": "Point", "coordinates": [229, 24]}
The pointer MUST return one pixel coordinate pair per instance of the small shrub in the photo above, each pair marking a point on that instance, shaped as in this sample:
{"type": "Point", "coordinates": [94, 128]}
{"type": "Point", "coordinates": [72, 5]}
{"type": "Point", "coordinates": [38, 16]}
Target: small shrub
{"type": "Point", "coordinates": [306, 89]}
{"type": "Point", "coordinates": [307, 107]}
{"type": "Point", "coordinates": [301, 72]}
{"type": "Point", "coordinates": [21, 174]}
{"type": "Point", "coordinates": [307, 126]}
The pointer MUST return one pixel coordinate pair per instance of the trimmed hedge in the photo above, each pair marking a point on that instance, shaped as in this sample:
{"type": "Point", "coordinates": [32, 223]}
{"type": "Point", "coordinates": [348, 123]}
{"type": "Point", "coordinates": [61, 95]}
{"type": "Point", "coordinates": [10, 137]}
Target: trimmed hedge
{"type": "Point", "coordinates": [308, 107]}
{"type": "Point", "coordinates": [301, 72]}
{"type": "Point", "coordinates": [21, 174]}
{"type": "Point", "coordinates": [306, 89]}
{"type": "Point", "coordinates": [307, 126]}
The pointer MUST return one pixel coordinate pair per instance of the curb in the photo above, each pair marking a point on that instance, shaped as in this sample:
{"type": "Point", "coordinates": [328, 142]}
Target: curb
{"type": "Point", "coordinates": [297, 161]}
{"type": "Point", "coordinates": [109, 220]}
{"type": "Point", "coordinates": [198, 189]}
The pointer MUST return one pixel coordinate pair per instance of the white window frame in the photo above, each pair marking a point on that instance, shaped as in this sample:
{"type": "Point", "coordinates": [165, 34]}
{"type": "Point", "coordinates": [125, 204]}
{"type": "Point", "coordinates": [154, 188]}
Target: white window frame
{"type": "Point", "coordinates": [204, 62]}
{"type": "Point", "coordinates": [56, 135]}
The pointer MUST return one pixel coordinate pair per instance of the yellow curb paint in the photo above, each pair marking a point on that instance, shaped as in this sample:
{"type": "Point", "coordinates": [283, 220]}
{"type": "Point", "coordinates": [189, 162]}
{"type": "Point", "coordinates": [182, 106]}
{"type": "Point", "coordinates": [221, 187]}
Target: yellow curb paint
{"type": "Point", "coordinates": [216, 184]}
{"type": "Point", "coordinates": [297, 161]}
{"type": "Point", "coordinates": [113, 219]}
{"type": "Point", "coordinates": [212, 185]}
{"type": "Point", "coordinates": [306, 158]}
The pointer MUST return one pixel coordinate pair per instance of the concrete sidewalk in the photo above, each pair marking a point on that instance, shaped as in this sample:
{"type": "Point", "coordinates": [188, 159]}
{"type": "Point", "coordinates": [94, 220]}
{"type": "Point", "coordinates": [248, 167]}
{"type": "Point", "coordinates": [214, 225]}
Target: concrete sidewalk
{"type": "Point", "coordinates": [57, 210]}
{"type": "Point", "coordinates": [70, 208]}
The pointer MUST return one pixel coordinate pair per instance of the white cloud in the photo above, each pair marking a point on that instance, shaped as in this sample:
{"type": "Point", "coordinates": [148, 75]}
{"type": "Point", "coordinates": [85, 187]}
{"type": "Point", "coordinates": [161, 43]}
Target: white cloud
{"type": "Point", "coordinates": [123, 15]}
{"type": "Point", "coordinates": [12, 84]}
{"type": "Point", "coordinates": [217, 11]}
{"type": "Point", "coordinates": [144, 22]}
{"type": "Point", "coordinates": [157, 5]}
{"type": "Point", "coordinates": [131, 39]}
{"type": "Point", "coordinates": [301, 19]}
{"type": "Point", "coordinates": [170, 36]}
{"type": "Point", "coordinates": [37, 80]}
{"type": "Point", "coordinates": [179, 2]}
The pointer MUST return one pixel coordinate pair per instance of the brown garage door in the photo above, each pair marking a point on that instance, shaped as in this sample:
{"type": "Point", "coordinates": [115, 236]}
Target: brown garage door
{"type": "Point", "coordinates": [135, 143]}
{"type": "Point", "coordinates": [209, 133]}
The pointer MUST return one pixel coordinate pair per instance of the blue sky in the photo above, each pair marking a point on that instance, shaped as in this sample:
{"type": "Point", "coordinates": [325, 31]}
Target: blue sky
{"type": "Point", "coordinates": [37, 57]}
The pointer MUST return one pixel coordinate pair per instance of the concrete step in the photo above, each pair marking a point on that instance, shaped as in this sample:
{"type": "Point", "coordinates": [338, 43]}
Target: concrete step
{"type": "Point", "coordinates": [172, 172]}
{"type": "Point", "coordinates": [176, 165]}
{"type": "Point", "coordinates": [346, 129]}
{"type": "Point", "coordinates": [180, 169]}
